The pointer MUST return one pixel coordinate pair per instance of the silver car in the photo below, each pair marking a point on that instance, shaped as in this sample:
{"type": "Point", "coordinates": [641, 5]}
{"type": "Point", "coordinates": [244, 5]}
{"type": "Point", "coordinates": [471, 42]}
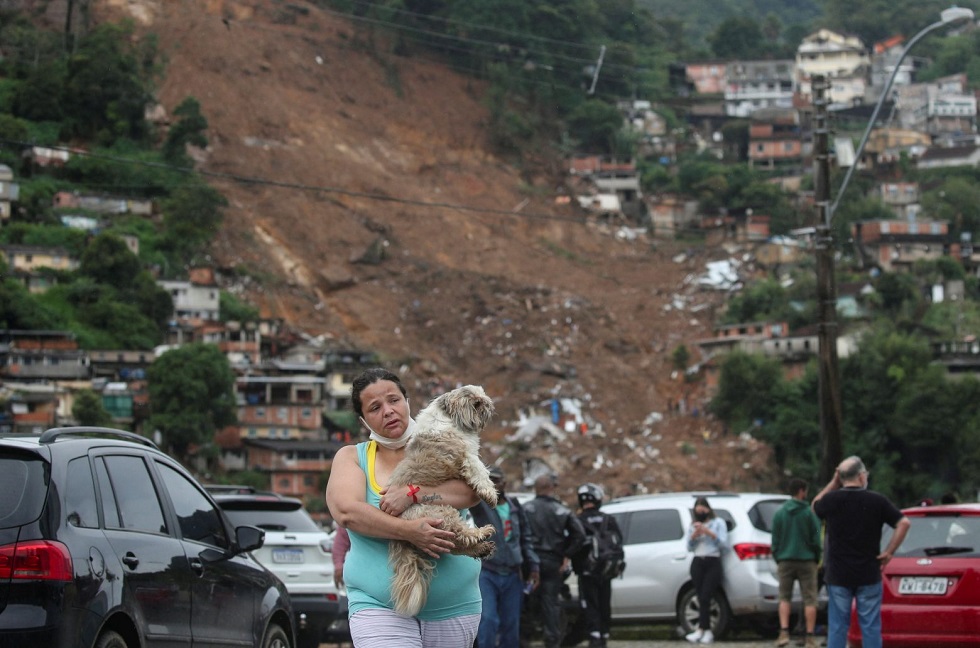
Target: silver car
{"type": "Point", "coordinates": [656, 585]}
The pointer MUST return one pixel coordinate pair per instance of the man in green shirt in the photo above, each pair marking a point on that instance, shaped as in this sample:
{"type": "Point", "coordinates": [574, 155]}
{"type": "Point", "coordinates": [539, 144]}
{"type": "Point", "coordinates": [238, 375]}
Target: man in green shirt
{"type": "Point", "coordinates": [796, 549]}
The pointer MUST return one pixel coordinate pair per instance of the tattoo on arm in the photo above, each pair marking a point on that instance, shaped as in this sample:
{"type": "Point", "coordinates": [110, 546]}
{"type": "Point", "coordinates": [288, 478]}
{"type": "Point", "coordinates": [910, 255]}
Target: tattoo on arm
{"type": "Point", "coordinates": [433, 497]}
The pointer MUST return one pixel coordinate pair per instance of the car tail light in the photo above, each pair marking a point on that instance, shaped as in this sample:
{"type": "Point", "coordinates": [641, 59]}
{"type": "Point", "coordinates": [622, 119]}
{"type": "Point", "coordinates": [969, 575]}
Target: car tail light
{"type": "Point", "coordinates": [35, 560]}
{"type": "Point", "coordinates": [752, 551]}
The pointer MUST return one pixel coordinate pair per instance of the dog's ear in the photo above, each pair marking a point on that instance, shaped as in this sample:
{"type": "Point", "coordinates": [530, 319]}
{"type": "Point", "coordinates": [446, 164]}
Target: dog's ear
{"type": "Point", "coordinates": [468, 407]}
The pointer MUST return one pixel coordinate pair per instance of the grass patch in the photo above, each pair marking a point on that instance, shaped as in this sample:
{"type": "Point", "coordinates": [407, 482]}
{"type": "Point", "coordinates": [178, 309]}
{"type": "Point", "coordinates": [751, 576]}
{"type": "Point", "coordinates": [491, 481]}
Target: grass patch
{"type": "Point", "coordinates": [558, 250]}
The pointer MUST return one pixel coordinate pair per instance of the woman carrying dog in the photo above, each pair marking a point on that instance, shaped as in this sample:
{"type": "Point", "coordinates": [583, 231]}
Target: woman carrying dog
{"type": "Point", "coordinates": [359, 501]}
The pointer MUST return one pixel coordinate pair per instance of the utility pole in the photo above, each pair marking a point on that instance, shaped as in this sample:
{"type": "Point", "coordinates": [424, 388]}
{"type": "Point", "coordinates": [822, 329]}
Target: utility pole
{"type": "Point", "coordinates": [829, 396]}
{"type": "Point", "coordinates": [598, 66]}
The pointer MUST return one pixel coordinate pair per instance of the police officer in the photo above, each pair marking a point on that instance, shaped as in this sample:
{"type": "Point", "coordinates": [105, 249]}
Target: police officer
{"type": "Point", "coordinates": [597, 566]}
{"type": "Point", "coordinates": [558, 535]}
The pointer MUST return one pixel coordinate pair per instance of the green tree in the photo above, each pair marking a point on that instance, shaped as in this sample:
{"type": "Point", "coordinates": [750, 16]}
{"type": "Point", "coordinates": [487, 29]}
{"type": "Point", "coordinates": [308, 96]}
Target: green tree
{"type": "Point", "coordinates": [233, 309]}
{"type": "Point", "coordinates": [898, 293]}
{"type": "Point", "coordinates": [106, 85]}
{"type": "Point", "coordinates": [957, 201]}
{"type": "Point", "coordinates": [107, 260]}
{"type": "Point", "coordinates": [19, 309]}
{"type": "Point", "coordinates": [188, 130]}
{"type": "Point", "coordinates": [765, 300]}
{"type": "Point", "coordinates": [748, 389]}
{"type": "Point", "coordinates": [191, 395]}
{"type": "Point", "coordinates": [88, 409]}
{"type": "Point", "coordinates": [40, 97]}
{"type": "Point", "coordinates": [191, 217]}
{"type": "Point", "coordinates": [738, 37]}
{"type": "Point", "coordinates": [594, 124]}
{"type": "Point", "coordinates": [680, 357]}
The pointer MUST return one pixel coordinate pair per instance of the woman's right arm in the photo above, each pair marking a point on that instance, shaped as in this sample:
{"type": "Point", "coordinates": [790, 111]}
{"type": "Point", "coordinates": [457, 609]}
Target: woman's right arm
{"type": "Point", "coordinates": [345, 499]}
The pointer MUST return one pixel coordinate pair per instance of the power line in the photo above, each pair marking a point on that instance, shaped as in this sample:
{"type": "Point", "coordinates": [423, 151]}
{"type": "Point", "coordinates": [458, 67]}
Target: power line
{"type": "Point", "coordinates": [495, 44]}
{"type": "Point", "coordinates": [296, 186]}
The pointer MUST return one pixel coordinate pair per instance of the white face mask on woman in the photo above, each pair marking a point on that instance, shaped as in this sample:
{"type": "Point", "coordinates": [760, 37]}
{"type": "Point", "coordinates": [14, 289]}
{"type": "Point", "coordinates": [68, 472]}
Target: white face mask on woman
{"type": "Point", "coordinates": [392, 444]}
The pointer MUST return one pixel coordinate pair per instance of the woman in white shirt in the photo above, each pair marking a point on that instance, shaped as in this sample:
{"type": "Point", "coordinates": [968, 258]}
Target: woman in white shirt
{"type": "Point", "coordinates": [707, 538]}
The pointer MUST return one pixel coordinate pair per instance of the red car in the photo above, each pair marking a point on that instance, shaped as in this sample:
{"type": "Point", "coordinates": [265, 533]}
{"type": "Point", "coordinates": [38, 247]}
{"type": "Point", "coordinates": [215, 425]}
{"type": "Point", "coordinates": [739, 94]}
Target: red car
{"type": "Point", "coordinates": [932, 586]}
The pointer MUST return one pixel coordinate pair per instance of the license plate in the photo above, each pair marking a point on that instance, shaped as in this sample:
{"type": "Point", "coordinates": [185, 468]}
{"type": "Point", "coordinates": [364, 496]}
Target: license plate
{"type": "Point", "coordinates": [922, 585]}
{"type": "Point", "coordinates": [287, 555]}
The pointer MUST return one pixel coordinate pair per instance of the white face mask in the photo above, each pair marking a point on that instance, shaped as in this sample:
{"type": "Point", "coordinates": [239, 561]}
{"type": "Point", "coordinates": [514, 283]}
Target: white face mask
{"type": "Point", "coordinates": [392, 444]}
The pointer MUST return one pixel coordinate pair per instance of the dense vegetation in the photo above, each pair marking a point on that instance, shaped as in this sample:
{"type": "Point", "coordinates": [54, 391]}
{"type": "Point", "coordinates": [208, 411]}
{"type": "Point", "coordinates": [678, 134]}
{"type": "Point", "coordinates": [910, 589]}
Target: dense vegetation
{"type": "Point", "coordinates": [95, 92]}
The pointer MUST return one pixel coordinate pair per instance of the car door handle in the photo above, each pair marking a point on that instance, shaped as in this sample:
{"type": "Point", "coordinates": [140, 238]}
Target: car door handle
{"type": "Point", "coordinates": [130, 560]}
{"type": "Point", "coordinates": [197, 566]}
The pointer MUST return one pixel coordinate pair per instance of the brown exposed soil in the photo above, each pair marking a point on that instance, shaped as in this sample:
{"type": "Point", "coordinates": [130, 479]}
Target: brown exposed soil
{"type": "Point", "coordinates": [360, 146]}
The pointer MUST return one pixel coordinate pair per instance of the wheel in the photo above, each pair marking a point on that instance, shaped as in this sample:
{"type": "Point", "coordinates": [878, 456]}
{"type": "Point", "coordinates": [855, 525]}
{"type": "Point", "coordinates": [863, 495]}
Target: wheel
{"type": "Point", "coordinates": [688, 613]}
{"type": "Point", "coordinates": [111, 639]}
{"type": "Point", "coordinates": [275, 637]}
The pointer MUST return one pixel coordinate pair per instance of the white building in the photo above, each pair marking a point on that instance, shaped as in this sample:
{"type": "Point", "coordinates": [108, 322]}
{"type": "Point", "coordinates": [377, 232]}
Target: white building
{"type": "Point", "coordinates": [753, 85]}
{"type": "Point", "coordinates": [193, 301]}
{"type": "Point", "coordinates": [842, 59]}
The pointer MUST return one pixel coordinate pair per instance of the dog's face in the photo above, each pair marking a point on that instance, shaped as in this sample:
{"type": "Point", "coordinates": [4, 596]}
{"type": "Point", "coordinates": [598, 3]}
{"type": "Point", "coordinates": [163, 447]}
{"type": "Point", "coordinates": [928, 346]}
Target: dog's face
{"type": "Point", "coordinates": [469, 408]}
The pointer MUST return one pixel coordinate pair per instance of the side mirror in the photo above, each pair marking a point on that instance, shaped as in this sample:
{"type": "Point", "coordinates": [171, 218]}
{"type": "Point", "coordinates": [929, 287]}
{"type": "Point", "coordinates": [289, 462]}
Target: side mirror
{"type": "Point", "coordinates": [249, 538]}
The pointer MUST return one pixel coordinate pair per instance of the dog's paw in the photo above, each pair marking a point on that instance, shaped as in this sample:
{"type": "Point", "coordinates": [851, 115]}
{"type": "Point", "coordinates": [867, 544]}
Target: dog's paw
{"type": "Point", "coordinates": [485, 549]}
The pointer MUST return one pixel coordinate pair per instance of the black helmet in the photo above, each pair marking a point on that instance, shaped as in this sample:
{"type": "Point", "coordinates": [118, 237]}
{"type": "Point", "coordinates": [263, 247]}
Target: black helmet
{"type": "Point", "coordinates": [590, 493]}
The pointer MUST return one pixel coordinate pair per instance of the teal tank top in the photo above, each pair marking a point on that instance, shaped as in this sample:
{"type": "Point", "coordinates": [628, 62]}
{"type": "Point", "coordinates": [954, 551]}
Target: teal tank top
{"type": "Point", "coordinates": [455, 587]}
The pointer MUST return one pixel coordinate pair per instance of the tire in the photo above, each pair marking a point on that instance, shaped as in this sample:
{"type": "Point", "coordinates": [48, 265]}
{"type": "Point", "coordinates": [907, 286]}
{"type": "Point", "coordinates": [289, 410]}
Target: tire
{"type": "Point", "coordinates": [111, 639]}
{"type": "Point", "coordinates": [688, 612]}
{"type": "Point", "coordinates": [275, 637]}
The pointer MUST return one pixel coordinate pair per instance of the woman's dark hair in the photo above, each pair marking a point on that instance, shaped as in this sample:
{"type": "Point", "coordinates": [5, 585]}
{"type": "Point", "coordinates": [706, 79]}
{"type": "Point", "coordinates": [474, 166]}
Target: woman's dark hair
{"type": "Point", "coordinates": [369, 377]}
{"type": "Point", "coordinates": [703, 501]}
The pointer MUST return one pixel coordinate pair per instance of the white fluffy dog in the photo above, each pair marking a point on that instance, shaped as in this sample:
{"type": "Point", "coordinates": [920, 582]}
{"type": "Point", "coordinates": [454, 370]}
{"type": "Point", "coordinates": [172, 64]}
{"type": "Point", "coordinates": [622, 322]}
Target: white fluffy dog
{"type": "Point", "coordinates": [445, 446]}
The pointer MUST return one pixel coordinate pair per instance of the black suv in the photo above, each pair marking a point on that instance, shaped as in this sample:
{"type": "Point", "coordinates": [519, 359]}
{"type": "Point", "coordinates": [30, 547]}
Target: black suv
{"type": "Point", "coordinates": [107, 542]}
{"type": "Point", "coordinates": [297, 550]}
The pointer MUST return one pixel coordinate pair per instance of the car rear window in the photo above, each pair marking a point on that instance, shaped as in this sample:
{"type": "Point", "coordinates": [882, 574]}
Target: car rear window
{"type": "Point", "coordinates": [936, 536]}
{"type": "Point", "coordinates": [23, 488]}
{"type": "Point", "coordinates": [295, 520]}
{"type": "Point", "coordinates": [653, 525]}
{"type": "Point", "coordinates": [762, 513]}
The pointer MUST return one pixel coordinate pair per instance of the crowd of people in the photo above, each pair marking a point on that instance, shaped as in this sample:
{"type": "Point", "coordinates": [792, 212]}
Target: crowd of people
{"type": "Point", "coordinates": [539, 544]}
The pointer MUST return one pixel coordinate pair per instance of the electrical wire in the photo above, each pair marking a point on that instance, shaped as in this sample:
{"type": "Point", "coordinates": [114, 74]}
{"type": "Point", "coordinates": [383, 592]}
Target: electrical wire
{"type": "Point", "coordinates": [296, 186]}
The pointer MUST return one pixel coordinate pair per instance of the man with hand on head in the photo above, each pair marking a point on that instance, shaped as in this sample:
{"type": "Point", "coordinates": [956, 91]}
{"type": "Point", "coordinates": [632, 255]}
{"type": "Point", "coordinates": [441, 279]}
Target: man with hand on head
{"type": "Point", "coordinates": [854, 560]}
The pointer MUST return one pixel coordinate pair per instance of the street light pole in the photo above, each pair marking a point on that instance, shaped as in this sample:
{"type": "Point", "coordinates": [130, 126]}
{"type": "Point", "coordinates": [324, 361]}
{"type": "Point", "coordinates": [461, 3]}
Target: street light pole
{"type": "Point", "coordinates": [947, 17]}
{"type": "Point", "coordinates": [829, 395]}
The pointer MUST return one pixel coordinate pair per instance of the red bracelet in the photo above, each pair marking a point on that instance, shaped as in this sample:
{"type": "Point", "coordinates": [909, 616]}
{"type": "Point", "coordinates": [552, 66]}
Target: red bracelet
{"type": "Point", "coordinates": [411, 493]}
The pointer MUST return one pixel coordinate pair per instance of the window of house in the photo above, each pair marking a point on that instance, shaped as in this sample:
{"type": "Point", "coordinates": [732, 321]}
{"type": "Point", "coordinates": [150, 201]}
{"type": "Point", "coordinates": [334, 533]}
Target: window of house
{"type": "Point", "coordinates": [284, 483]}
{"type": "Point", "coordinates": [282, 414]}
{"type": "Point", "coordinates": [308, 480]}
